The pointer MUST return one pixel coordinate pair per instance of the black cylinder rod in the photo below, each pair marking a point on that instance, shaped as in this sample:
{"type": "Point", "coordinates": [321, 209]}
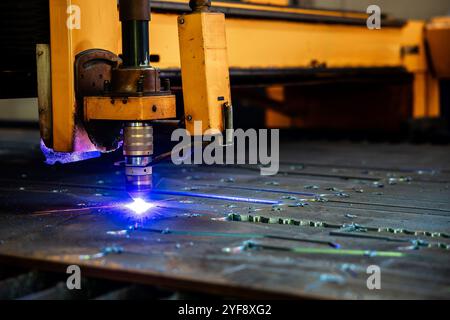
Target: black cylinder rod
{"type": "Point", "coordinates": [135, 17]}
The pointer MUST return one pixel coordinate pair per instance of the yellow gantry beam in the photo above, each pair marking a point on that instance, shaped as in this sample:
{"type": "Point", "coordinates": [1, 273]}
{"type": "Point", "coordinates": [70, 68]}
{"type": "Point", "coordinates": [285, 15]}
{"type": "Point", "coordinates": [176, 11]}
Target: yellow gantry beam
{"type": "Point", "coordinates": [284, 44]}
{"type": "Point", "coordinates": [271, 6]}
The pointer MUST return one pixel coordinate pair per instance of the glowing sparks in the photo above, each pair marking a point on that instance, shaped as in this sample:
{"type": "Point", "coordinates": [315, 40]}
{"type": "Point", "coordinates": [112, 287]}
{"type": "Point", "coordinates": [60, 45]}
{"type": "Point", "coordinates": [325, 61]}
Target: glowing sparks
{"type": "Point", "coordinates": [139, 206]}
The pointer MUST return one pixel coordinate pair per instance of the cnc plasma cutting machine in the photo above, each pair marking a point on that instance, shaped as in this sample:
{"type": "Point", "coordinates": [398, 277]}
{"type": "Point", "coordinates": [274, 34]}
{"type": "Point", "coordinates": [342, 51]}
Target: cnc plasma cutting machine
{"type": "Point", "coordinates": [99, 84]}
{"type": "Point", "coordinates": [115, 75]}
{"type": "Point", "coordinates": [116, 97]}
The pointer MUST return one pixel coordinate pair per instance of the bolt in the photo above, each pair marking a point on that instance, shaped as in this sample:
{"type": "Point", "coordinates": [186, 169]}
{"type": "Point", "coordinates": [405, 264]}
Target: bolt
{"type": "Point", "coordinates": [189, 118]}
{"type": "Point", "coordinates": [140, 84]}
{"type": "Point", "coordinates": [107, 86]}
{"type": "Point", "coordinates": [166, 84]}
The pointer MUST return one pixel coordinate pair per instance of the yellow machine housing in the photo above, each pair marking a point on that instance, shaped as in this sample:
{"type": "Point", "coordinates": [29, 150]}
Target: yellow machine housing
{"type": "Point", "coordinates": [258, 36]}
{"type": "Point", "coordinates": [204, 69]}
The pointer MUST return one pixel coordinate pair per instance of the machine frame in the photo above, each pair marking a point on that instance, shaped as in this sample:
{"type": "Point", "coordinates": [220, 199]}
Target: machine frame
{"type": "Point", "coordinates": [306, 39]}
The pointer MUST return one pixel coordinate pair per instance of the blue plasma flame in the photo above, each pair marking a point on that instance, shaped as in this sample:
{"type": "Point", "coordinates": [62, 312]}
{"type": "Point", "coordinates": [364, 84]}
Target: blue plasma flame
{"type": "Point", "coordinates": [139, 207]}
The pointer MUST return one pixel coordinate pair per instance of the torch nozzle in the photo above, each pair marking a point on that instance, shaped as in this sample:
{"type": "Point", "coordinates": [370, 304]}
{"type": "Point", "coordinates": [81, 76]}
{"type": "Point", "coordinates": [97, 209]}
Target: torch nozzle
{"type": "Point", "coordinates": [138, 150]}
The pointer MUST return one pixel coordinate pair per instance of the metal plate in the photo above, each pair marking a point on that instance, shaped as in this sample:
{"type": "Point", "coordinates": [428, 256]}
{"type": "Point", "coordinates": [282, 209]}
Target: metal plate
{"type": "Point", "coordinates": [51, 217]}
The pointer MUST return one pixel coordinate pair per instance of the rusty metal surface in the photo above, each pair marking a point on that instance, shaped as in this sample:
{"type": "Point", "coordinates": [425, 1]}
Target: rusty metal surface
{"type": "Point", "coordinates": [92, 69]}
{"type": "Point", "coordinates": [199, 237]}
{"type": "Point", "coordinates": [93, 73]}
{"type": "Point", "coordinates": [136, 81]}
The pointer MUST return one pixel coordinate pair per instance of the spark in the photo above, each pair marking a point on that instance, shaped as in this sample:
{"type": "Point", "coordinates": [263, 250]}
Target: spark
{"type": "Point", "coordinates": [139, 206]}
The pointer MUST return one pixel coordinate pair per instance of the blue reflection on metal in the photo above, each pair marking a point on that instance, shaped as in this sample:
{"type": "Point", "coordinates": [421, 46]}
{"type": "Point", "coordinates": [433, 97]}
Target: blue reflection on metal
{"type": "Point", "coordinates": [214, 196]}
{"type": "Point", "coordinates": [307, 194]}
{"type": "Point", "coordinates": [53, 157]}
